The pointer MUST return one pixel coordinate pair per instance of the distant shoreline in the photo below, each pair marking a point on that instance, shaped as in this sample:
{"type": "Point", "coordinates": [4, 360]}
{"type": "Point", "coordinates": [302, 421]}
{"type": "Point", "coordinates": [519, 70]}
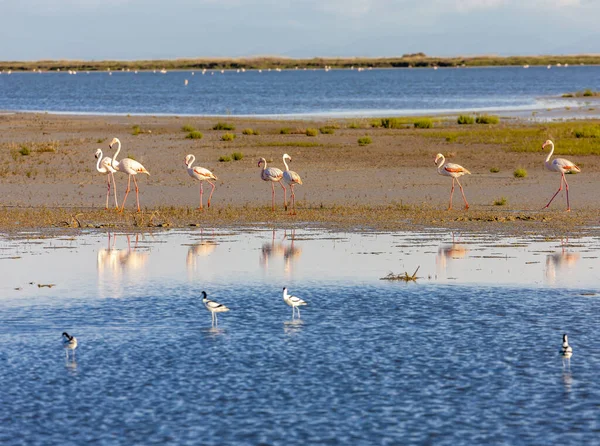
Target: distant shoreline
{"type": "Point", "coordinates": [258, 63]}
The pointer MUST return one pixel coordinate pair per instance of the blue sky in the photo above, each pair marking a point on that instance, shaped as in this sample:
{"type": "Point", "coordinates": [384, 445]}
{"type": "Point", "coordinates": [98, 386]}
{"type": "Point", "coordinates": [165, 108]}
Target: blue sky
{"type": "Point", "coordinates": [143, 29]}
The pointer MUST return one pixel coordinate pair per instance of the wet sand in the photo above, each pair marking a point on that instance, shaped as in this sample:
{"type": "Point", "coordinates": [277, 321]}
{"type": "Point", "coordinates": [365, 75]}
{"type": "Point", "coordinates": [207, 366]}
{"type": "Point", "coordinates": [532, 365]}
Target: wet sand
{"type": "Point", "coordinates": [391, 184]}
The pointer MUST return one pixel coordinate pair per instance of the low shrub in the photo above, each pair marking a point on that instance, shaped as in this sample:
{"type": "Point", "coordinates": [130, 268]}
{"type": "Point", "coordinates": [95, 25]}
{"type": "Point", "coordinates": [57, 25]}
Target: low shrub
{"type": "Point", "coordinates": [500, 201]}
{"type": "Point", "coordinates": [250, 132]}
{"type": "Point", "coordinates": [424, 123]}
{"type": "Point", "coordinates": [494, 170]}
{"type": "Point", "coordinates": [194, 135]}
{"type": "Point", "coordinates": [354, 125]}
{"type": "Point", "coordinates": [136, 130]}
{"type": "Point", "coordinates": [391, 123]}
{"type": "Point", "coordinates": [25, 151]}
{"type": "Point", "coordinates": [520, 173]}
{"type": "Point", "coordinates": [466, 119]}
{"type": "Point", "coordinates": [188, 128]}
{"type": "Point", "coordinates": [236, 156]}
{"type": "Point", "coordinates": [487, 119]}
{"type": "Point", "coordinates": [312, 132]}
{"type": "Point", "coordinates": [285, 131]}
{"type": "Point", "coordinates": [223, 126]}
{"type": "Point", "coordinates": [224, 159]}
{"type": "Point", "coordinates": [365, 140]}
{"type": "Point", "coordinates": [228, 137]}
{"type": "Point", "coordinates": [327, 130]}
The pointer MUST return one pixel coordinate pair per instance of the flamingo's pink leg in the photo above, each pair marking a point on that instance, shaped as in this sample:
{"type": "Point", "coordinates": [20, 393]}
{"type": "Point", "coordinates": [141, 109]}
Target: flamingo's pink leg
{"type": "Point", "coordinates": [567, 188]}
{"type": "Point", "coordinates": [211, 192]}
{"type": "Point", "coordinates": [451, 194]}
{"type": "Point", "coordinates": [272, 196]}
{"type": "Point", "coordinates": [201, 193]}
{"type": "Point", "coordinates": [137, 194]}
{"type": "Point", "coordinates": [293, 200]}
{"type": "Point", "coordinates": [126, 192]}
{"type": "Point", "coordinates": [114, 190]}
{"type": "Point", "coordinates": [554, 196]}
{"type": "Point", "coordinates": [463, 194]}
{"type": "Point", "coordinates": [284, 195]}
{"type": "Point", "coordinates": [107, 191]}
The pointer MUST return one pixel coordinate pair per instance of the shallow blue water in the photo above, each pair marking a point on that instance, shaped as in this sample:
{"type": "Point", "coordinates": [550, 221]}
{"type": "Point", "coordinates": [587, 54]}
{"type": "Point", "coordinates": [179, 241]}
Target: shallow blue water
{"type": "Point", "coordinates": [298, 92]}
{"type": "Point", "coordinates": [440, 361]}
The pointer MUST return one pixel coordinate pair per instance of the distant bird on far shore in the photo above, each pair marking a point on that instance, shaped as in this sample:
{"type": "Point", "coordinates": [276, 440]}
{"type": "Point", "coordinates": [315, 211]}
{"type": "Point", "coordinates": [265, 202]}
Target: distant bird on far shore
{"type": "Point", "coordinates": [274, 175]}
{"type": "Point", "coordinates": [454, 171]}
{"type": "Point", "coordinates": [69, 343]}
{"type": "Point", "coordinates": [290, 178]}
{"type": "Point", "coordinates": [213, 307]}
{"type": "Point", "coordinates": [104, 165]}
{"type": "Point", "coordinates": [293, 302]}
{"type": "Point", "coordinates": [566, 350]}
{"type": "Point", "coordinates": [131, 168]}
{"type": "Point", "coordinates": [562, 166]}
{"type": "Point", "coordinates": [201, 174]}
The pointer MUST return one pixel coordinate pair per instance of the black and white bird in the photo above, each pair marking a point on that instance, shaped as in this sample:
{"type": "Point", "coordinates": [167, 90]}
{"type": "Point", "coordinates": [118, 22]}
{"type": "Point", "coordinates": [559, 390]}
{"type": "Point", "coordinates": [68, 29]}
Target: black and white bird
{"type": "Point", "coordinates": [566, 350]}
{"type": "Point", "coordinates": [213, 307]}
{"type": "Point", "coordinates": [292, 301]}
{"type": "Point", "coordinates": [69, 343]}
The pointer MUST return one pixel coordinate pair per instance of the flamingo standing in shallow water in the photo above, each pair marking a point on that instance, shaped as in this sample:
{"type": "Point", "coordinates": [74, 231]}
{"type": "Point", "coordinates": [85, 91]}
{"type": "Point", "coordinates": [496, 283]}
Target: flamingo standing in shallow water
{"type": "Point", "coordinates": [130, 167]}
{"type": "Point", "coordinates": [202, 175]}
{"type": "Point", "coordinates": [559, 165]}
{"type": "Point", "coordinates": [104, 166]}
{"type": "Point", "coordinates": [290, 178]}
{"type": "Point", "coordinates": [274, 175]}
{"type": "Point", "coordinates": [454, 171]}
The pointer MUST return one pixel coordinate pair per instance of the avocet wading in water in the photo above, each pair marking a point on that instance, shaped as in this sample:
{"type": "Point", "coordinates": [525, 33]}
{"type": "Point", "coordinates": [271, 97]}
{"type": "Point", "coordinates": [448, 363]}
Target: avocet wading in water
{"type": "Point", "coordinates": [559, 165]}
{"type": "Point", "coordinates": [104, 165]}
{"type": "Point", "coordinates": [566, 350]}
{"type": "Point", "coordinates": [293, 302]}
{"type": "Point", "coordinates": [454, 171]}
{"type": "Point", "coordinates": [131, 168]}
{"type": "Point", "coordinates": [69, 343]}
{"type": "Point", "coordinates": [274, 175]}
{"type": "Point", "coordinates": [290, 178]}
{"type": "Point", "coordinates": [213, 307]}
{"type": "Point", "coordinates": [202, 175]}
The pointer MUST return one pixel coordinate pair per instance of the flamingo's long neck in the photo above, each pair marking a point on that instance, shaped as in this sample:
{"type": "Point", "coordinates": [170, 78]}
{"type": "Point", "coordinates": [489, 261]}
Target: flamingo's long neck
{"type": "Point", "coordinates": [264, 164]}
{"type": "Point", "coordinates": [98, 163]}
{"type": "Point", "coordinates": [191, 161]}
{"type": "Point", "coordinates": [441, 163]}
{"type": "Point", "coordinates": [114, 159]}
{"type": "Point", "coordinates": [551, 152]}
{"type": "Point", "coordinates": [285, 164]}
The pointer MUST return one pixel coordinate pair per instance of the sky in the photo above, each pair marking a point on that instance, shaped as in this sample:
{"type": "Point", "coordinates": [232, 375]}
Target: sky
{"type": "Point", "coordinates": [167, 29]}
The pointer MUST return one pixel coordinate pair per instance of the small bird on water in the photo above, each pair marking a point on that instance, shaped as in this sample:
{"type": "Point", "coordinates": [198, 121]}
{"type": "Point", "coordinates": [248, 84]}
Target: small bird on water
{"type": "Point", "coordinates": [293, 302]}
{"type": "Point", "coordinates": [213, 307]}
{"type": "Point", "coordinates": [69, 343]}
{"type": "Point", "coordinates": [566, 350]}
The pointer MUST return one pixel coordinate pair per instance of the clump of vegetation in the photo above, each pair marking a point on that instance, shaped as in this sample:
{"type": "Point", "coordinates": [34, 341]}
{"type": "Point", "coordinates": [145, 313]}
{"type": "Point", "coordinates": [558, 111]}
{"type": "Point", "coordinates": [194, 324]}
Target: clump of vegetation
{"type": "Point", "coordinates": [136, 130]}
{"type": "Point", "coordinates": [487, 119]}
{"type": "Point", "coordinates": [25, 151]}
{"type": "Point", "coordinates": [236, 156]}
{"type": "Point", "coordinates": [100, 140]}
{"type": "Point", "coordinates": [589, 92]}
{"type": "Point", "coordinates": [228, 137]}
{"type": "Point", "coordinates": [188, 128]}
{"type": "Point", "coordinates": [392, 123]}
{"type": "Point", "coordinates": [568, 95]}
{"type": "Point", "coordinates": [451, 138]}
{"type": "Point", "coordinates": [312, 132]}
{"type": "Point", "coordinates": [500, 201]}
{"type": "Point", "coordinates": [494, 169]}
{"type": "Point", "coordinates": [224, 159]}
{"type": "Point", "coordinates": [327, 130]}
{"type": "Point", "coordinates": [49, 147]}
{"type": "Point", "coordinates": [365, 140]}
{"type": "Point", "coordinates": [589, 131]}
{"type": "Point", "coordinates": [195, 134]}
{"type": "Point", "coordinates": [354, 125]}
{"type": "Point", "coordinates": [223, 126]}
{"type": "Point", "coordinates": [285, 131]}
{"type": "Point", "coordinates": [249, 131]}
{"type": "Point", "coordinates": [520, 173]}
{"type": "Point", "coordinates": [424, 123]}
{"type": "Point", "coordinates": [466, 119]}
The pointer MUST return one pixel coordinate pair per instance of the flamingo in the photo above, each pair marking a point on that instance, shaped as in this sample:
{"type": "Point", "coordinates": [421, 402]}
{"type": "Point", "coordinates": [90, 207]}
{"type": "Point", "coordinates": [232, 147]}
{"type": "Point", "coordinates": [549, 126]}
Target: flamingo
{"type": "Point", "coordinates": [290, 178]}
{"type": "Point", "coordinates": [559, 165]}
{"type": "Point", "coordinates": [107, 169]}
{"type": "Point", "coordinates": [130, 167]}
{"type": "Point", "coordinates": [454, 171]}
{"type": "Point", "coordinates": [274, 175]}
{"type": "Point", "coordinates": [201, 174]}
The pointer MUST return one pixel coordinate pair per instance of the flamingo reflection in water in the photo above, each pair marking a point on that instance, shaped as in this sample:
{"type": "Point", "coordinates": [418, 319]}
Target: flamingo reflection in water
{"type": "Point", "coordinates": [559, 263]}
{"type": "Point", "coordinates": [290, 252]}
{"type": "Point", "coordinates": [269, 250]}
{"type": "Point", "coordinates": [449, 252]}
{"type": "Point", "coordinates": [201, 249]}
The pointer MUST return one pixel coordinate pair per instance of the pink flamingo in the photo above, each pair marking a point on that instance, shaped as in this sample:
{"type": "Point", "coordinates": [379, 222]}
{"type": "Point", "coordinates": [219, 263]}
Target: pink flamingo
{"type": "Point", "coordinates": [130, 167]}
{"type": "Point", "coordinates": [290, 178]}
{"type": "Point", "coordinates": [202, 175]}
{"type": "Point", "coordinates": [108, 170]}
{"type": "Point", "coordinates": [559, 165]}
{"type": "Point", "coordinates": [274, 175]}
{"type": "Point", "coordinates": [454, 171]}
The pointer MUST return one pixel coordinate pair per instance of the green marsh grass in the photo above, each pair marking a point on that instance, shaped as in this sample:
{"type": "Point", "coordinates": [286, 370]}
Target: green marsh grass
{"type": "Point", "coordinates": [500, 201]}
{"type": "Point", "coordinates": [194, 134]}
{"type": "Point", "coordinates": [494, 170]}
{"type": "Point", "coordinates": [285, 131]}
{"type": "Point", "coordinates": [424, 123]}
{"type": "Point", "coordinates": [365, 140]}
{"type": "Point", "coordinates": [465, 119]}
{"type": "Point", "coordinates": [136, 130]}
{"type": "Point", "coordinates": [327, 130]}
{"type": "Point", "coordinates": [25, 151]}
{"type": "Point", "coordinates": [224, 159]}
{"type": "Point", "coordinates": [236, 156]}
{"type": "Point", "coordinates": [520, 173]}
{"type": "Point", "coordinates": [487, 119]}
{"type": "Point", "coordinates": [312, 132]}
{"type": "Point", "coordinates": [354, 125]}
{"type": "Point", "coordinates": [227, 137]}
{"type": "Point", "coordinates": [188, 128]}
{"type": "Point", "coordinates": [250, 131]}
{"type": "Point", "coordinates": [223, 126]}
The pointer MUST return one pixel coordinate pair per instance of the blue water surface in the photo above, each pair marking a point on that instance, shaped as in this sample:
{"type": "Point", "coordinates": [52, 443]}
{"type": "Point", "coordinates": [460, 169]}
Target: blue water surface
{"type": "Point", "coordinates": [439, 361]}
{"type": "Point", "coordinates": [294, 93]}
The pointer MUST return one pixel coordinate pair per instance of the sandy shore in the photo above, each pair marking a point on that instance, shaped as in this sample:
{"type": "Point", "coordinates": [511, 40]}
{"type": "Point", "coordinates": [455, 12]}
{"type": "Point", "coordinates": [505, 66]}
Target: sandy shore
{"type": "Point", "coordinates": [389, 184]}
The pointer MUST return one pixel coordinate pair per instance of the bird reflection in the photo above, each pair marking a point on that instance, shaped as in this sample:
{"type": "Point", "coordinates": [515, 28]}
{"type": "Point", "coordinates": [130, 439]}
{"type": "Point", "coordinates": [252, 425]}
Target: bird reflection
{"type": "Point", "coordinates": [560, 262]}
{"type": "Point", "coordinates": [291, 252]}
{"type": "Point", "coordinates": [449, 252]}
{"type": "Point", "coordinates": [201, 249]}
{"type": "Point", "coordinates": [293, 326]}
{"type": "Point", "coordinates": [270, 250]}
{"type": "Point", "coordinates": [71, 366]}
{"type": "Point", "coordinates": [213, 332]}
